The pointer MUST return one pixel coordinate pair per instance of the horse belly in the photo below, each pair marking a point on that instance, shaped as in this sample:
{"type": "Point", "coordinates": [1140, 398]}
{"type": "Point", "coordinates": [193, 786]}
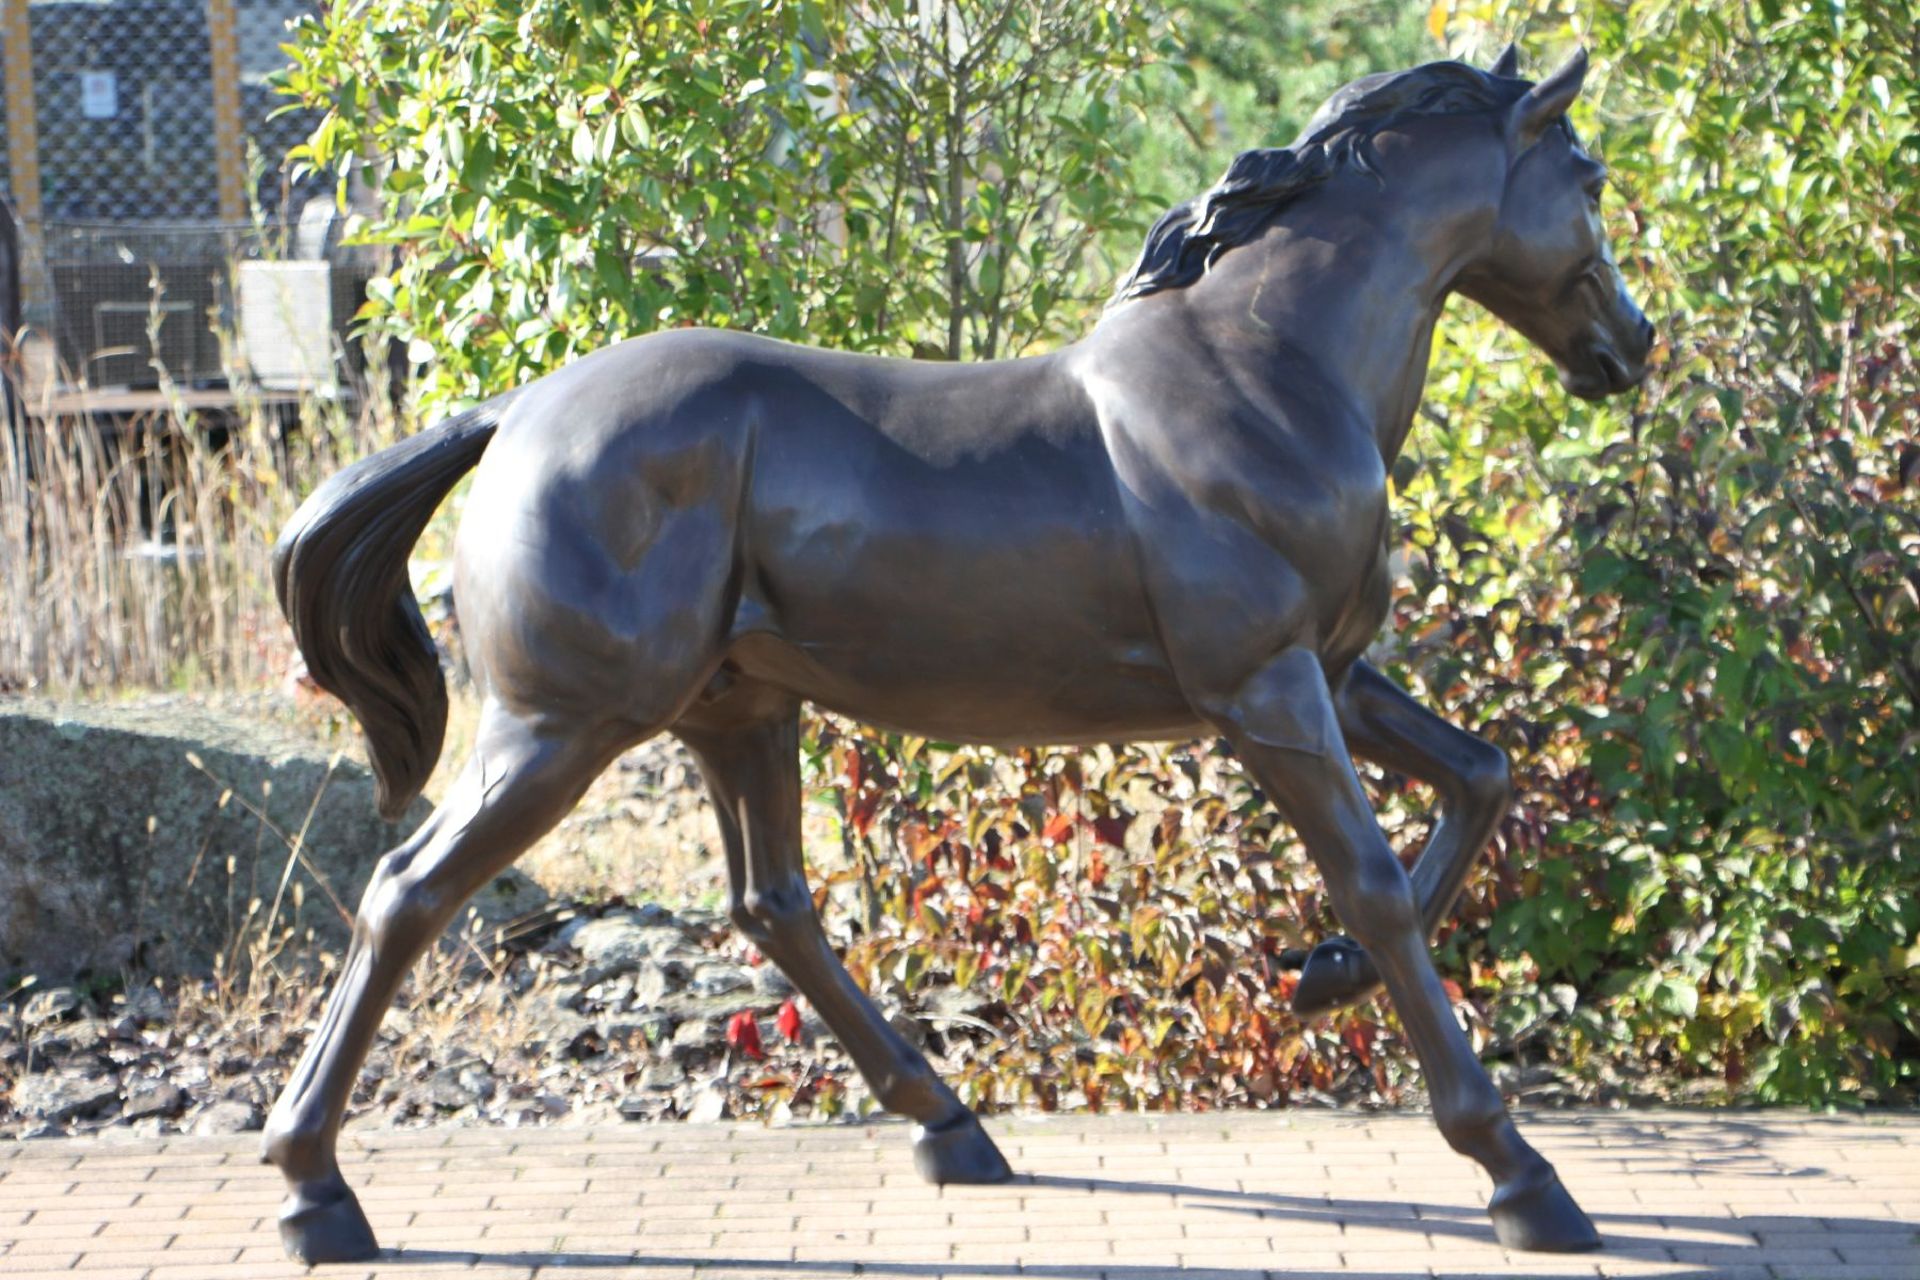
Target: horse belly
{"type": "Point", "coordinates": [977, 701]}
{"type": "Point", "coordinates": [952, 606]}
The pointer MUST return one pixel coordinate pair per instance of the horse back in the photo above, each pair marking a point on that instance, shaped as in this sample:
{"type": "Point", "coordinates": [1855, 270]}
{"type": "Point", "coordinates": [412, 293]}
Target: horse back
{"type": "Point", "coordinates": [935, 547]}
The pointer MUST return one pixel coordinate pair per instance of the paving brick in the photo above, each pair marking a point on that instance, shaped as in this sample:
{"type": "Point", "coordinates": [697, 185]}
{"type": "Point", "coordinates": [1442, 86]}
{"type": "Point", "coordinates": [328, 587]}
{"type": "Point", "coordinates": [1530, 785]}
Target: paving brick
{"type": "Point", "coordinates": [60, 1256]}
{"type": "Point", "coordinates": [1127, 1198]}
{"type": "Point", "coordinates": [1891, 1254]}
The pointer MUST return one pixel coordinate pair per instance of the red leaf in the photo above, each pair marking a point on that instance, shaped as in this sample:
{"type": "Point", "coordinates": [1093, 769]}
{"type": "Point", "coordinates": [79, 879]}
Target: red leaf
{"type": "Point", "coordinates": [1112, 831]}
{"type": "Point", "coordinates": [743, 1034]}
{"type": "Point", "coordinates": [787, 1022]}
{"type": "Point", "coordinates": [1358, 1037]}
{"type": "Point", "coordinates": [860, 811]}
{"type": "Point", "coordinates": [1058, 827]}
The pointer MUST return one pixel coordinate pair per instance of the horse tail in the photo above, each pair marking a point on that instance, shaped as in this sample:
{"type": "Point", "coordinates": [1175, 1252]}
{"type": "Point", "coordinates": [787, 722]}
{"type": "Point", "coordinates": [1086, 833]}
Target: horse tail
{"type": "Point", "coordinates": [340, 571]}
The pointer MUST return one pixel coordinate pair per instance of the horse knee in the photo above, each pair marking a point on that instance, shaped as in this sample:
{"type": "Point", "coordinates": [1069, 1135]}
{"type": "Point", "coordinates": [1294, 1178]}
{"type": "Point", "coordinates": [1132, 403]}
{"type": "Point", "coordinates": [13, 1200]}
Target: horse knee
{"type": "Point", "coordinates": [1378, 902]}
{"type": "Point", "coordinates": [773, 916]}
{"type": "Point", "coordinates": [1486, 783]}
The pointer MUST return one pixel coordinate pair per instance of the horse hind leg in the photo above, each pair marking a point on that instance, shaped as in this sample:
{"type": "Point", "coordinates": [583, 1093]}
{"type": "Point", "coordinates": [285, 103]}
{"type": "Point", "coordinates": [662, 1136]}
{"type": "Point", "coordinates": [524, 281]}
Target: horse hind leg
{"type": "Point", "coordinates": [752, 771]}
{"type": "Point", "coordinates": [519, 781]}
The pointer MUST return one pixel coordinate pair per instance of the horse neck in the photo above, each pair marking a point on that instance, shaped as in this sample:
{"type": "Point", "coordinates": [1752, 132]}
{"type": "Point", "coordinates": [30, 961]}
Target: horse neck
{"type": "Point", "coordinates": [1352, 279]}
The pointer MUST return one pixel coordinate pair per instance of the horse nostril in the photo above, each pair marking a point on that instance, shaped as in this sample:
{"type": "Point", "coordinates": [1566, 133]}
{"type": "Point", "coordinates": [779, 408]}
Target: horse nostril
{"type": "Point", "coordinates": [1646, 334]}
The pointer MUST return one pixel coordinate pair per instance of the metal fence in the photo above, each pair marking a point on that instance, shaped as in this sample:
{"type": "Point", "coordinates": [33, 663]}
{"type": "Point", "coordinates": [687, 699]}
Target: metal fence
{"type": "Point", "coordinates": [142, 167]}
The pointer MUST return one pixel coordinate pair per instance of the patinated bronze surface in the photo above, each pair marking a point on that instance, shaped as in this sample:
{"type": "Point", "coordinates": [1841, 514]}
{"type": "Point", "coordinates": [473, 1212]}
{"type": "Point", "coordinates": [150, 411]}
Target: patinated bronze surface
{"type": "Point", "coordinates": [1176, 526]}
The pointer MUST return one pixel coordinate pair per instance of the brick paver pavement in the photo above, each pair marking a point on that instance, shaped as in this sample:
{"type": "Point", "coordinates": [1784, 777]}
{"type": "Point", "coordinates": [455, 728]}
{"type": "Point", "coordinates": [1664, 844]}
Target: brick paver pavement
{"type": "Point", "coordinates": [1214, 1197]}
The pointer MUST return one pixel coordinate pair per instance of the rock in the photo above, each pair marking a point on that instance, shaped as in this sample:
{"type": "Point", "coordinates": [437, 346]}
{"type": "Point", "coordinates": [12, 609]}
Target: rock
{"type": "Point", "coordinates": [147, 1006]}
{"type": "Point", "coordinates": [695, 1038]}
{"type": "Point", "coordinates": [226, 1116]}
{"type": "Point", "coordinates": [59, 1096]}
{"type": "Point", "coordinates": [770, 982]}
{"type": "Point", "coordinates": [546, 1026]}
{"type": "Point", "coordinates": [63, 1039]}
{"type": "Point", "coordinates": [651, 915]}
{"type": "Point", "coordinates": [684, 1005]}
{"type": "Point", "coordinates": [114, 845]}
{"type": "Point", "coordinates": [714, 979]}
{"type": "Point", "coordinates": [654, 1028]}
{"type": "Point", "coordinates": [660, 978]}
{"type": "Point", "coordinates": [55, 1004]}
{"type": "Point", "coordinates": [460, 1085]}
{"type": "Point", "coordinates": [542, 1106]}
{"type": "Point", "coordinates": [153, 1098]}
{"type": "Point", "coordinates": [610, 995]}
{"type": "Point", "coordinates": [638, 1106]}
{"type": "Point", "coordinates": [613, 945]}
{"type": "Point", "coordinates": [662, 1076]}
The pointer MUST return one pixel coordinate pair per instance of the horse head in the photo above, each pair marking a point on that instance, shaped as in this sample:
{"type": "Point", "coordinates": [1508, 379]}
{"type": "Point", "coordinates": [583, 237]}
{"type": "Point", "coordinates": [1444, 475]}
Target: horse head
{"type": "Point", "coordinates": [1549, 270]}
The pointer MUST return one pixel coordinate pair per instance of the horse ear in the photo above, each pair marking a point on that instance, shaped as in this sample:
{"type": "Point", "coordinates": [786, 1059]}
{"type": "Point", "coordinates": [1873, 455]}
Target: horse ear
{"type": "Point", "coordinates": [1508, 63]}
{"type": "Point", "coordinates": [1547, 101]}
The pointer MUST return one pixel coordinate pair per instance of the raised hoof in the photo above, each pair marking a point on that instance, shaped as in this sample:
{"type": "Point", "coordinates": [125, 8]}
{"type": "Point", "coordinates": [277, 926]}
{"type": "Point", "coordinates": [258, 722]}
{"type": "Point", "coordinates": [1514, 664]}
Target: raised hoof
{"type": "Point", "coordinates": [1538, 1215]}
{"type": "Point", "coordinates": [958, 1152]}
{"type": "Point", "coordinates": [1335, 974]}
{"type": "Point", "coordinates": [332, 1229]}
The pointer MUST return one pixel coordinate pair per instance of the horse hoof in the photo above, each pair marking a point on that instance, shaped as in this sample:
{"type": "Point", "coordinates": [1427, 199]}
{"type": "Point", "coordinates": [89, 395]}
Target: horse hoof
{"type": "Point", "coordinates": [332, 1229]}
{"type": "Point", "coordinates": [1538, 1215]}
{"type": "Point", "coordinates": [1336, 973]}
{"type": "Point", "coordinates": [958, 1152]}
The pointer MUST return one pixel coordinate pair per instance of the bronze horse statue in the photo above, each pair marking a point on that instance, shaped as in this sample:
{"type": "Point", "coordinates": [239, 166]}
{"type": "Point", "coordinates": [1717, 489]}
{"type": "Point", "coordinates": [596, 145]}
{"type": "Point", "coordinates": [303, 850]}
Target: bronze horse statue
{"type": "Point", "coordinates": [1174, 527]}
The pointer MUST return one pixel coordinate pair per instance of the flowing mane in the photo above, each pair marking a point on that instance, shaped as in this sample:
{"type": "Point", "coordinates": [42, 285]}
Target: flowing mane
{"type": "Point", "coordinates": [1191, 236]}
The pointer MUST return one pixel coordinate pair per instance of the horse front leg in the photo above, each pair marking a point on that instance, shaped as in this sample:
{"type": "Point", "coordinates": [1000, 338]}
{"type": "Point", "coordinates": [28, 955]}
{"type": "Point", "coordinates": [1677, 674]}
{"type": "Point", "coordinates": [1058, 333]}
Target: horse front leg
{"type": "Point", "coordinates": [1285, 726]}
{"type": "Point", "coordinates": [752, 771]}
{"type": "Point", "coordinates": [1383, 723]}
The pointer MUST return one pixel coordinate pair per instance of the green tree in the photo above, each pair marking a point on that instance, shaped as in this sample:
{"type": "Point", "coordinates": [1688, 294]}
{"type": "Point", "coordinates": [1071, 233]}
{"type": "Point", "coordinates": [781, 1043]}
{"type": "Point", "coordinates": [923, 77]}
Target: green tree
{"type": "Point", "coordinates": [1696, 612]}
{"type": "Point", "coordinates": [1251, 75]}
{"type": "Point", "coordinates": [559, 174]}
{"type": "Point", "coordinates": [991, 138]}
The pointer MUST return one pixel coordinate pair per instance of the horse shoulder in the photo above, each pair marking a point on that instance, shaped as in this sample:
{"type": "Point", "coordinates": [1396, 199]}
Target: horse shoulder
{"type": "Point", "coordinates": [1255, 511]}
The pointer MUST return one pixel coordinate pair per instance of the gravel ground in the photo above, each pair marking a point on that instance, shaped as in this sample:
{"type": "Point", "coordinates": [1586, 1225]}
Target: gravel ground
{"type": "Point", "coordinates": [585, 1014]}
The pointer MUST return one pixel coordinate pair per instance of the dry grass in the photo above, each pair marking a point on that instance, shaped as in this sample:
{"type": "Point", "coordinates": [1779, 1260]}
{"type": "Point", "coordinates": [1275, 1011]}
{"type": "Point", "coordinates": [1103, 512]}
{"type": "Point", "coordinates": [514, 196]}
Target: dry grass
{"type": "Point", "coordinates": [135, 553]}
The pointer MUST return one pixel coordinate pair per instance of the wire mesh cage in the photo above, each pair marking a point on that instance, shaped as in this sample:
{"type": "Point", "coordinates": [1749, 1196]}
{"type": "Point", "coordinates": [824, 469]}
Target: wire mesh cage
{"type": "Point", "coordinates": [143, 164]}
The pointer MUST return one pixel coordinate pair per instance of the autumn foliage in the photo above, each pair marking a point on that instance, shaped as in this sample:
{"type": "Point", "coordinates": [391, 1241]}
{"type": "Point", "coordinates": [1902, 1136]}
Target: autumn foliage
{"type": "Point", "coordinates": [1692, 617]}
